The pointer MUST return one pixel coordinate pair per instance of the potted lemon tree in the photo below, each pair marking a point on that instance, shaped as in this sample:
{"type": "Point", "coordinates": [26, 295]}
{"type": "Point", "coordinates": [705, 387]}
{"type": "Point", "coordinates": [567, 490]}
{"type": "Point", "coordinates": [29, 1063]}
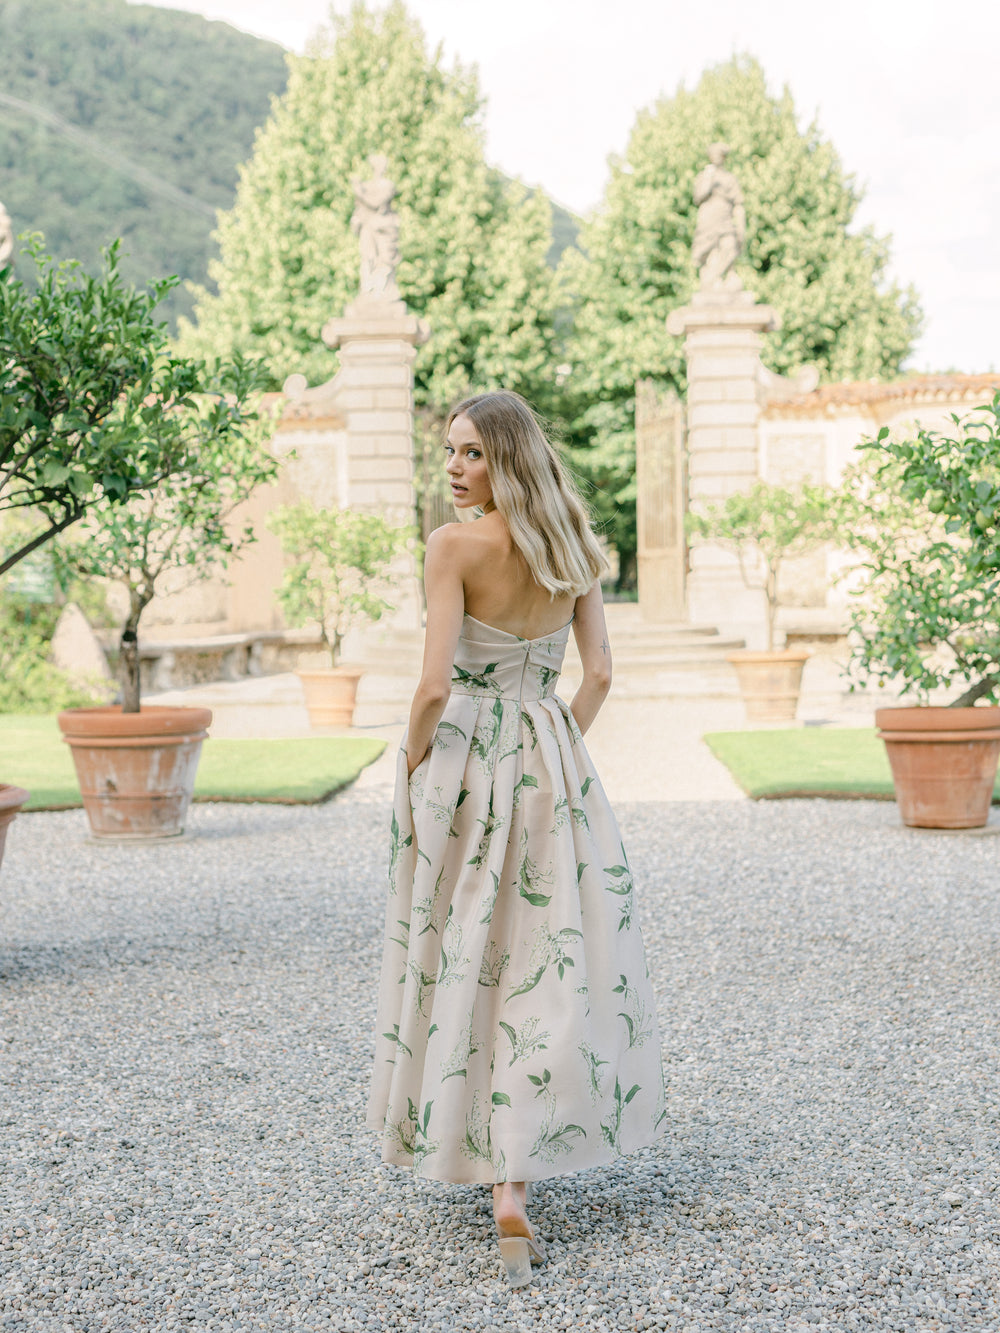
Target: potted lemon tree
{"type": "Point", "coordinates": [81, 358]}
{"type": "Point", "coordinates": [764, 527]}
{"type": "Point", "coordinates": [136, 766]}
{"type": "Point", "coordinates": [339, 568]}
{"type": "Point", "coordinates": [923, 515]}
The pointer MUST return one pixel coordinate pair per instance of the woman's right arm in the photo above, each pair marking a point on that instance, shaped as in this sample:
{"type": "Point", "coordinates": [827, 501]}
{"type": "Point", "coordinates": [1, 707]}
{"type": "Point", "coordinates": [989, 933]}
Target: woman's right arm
{"type": "Point", "coordinates": [591, 635]}
{"type": "Point", "coordinates": [445, 596]}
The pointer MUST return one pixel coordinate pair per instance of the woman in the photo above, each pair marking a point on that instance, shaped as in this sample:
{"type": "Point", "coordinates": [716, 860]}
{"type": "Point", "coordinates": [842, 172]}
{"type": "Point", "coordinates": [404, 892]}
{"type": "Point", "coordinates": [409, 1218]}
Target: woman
{"type": "Point", "coordinates": [517, 1034]}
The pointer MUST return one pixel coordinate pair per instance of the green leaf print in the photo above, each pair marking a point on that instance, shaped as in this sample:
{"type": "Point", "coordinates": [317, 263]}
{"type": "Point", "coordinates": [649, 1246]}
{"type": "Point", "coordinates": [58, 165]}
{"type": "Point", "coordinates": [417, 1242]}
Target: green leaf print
{"type": "Point", "coordinates": [457, 1063]}
{"type": "Point", "coordinates": [526, 1042]}
{"type": "Point", "coordinates": [395, 1037]}
{"type": "Point", "coordinates": [580, 868]}
{"type": "Point", "coordinates": [477, 680]}
{"type": "Point", "coordinates": [553, 1138]}
{"type": "Point", "coordinates": [529, 877]}
{"type": "Point", "coordinates": [396, 846]}
{"type": "Point", "coordinates": [477, 1143]}
{"type": "Point", "coordinates": [490, 900]}
{"type": "Point", "coordinates": [425, 981]}
{"type": "Point", "coordinates": [585, 785]}
{"type": "Point", "coordinates": [486, 738]}
{"type": "Point", "coordinates": [494, 965]}
{"type": "Point", "coordinates": [404, 930]}
{"type": "Point", "coordinates": [501, 1099]}
{"type": "Point", "coordinates": [529, 727]}
{"type": "Point", "coordinates": [637, 1021]}
{"type": "Point", "coordinates": [490, 825]}
{"type": "Point", "coordinates": [427, 907]}
{"type": "Point", "coordinates": [547, 949]}
{"type": "Point", "coordinates": [594, 1066]}
{"type": "Point", "coordinates": [452, 965]}
{"type": "Point", "coordinates": [546, 676]}
{"type": "Point", "coordinates": [447, 728]}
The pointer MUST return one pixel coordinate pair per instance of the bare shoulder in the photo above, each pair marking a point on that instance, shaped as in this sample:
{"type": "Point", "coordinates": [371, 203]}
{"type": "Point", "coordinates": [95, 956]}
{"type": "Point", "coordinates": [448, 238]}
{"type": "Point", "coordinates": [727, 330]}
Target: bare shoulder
{"type": "Point", "coordinates": [464, 542]}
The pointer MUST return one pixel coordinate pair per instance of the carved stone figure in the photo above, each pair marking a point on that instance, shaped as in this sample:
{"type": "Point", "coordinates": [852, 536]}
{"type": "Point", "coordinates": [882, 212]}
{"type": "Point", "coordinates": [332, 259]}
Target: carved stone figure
{"type": "Point", "coordinates": [6, 235]}
{"type": "Point", "coordinates": [722, 223]}
{"type": "Point", "coordinates": [376, 225]}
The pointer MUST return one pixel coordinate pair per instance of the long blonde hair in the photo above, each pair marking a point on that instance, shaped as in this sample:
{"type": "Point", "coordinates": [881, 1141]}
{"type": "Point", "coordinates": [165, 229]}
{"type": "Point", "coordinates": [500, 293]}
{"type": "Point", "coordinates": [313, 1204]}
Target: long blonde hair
{"type": "Point", "coordinates": [534, 494]}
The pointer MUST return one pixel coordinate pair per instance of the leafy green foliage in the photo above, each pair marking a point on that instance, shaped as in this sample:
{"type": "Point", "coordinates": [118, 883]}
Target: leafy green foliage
{"type": "Point", "coordinates": [81, 361]}
{"type": "Point", "coordinates": [29, 682]}
{"type": "Point", "coordinates": [207, 435]}
{"type": "Point", "coordinates": [826, 279]}
{"type": "Point", "coordinates": [924, 515]}
{"type": "Point", "coordinates": [122, 119]}
{"type": "Point", "coordinates": [764, 527]}
{"type": "Point", "coordinates": [473, 245]}
{"type": "Point", "coordinates": [339, 568]}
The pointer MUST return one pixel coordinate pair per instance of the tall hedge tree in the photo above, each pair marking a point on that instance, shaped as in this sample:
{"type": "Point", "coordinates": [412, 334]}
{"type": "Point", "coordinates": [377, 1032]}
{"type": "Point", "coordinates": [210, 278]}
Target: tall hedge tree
{"type": "Point", "coordinates": [826, 279]}
{"type": "Point", "coordinates": [473, 245]}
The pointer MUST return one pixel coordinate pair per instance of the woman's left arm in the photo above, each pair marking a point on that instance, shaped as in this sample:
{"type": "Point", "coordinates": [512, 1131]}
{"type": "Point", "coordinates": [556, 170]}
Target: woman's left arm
{"type": "Point", "coordinates": [445, 595]}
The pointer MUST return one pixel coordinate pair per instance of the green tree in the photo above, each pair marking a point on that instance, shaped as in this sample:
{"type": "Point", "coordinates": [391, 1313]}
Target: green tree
{"type": "Point", "coordinates": [340, 566]}
{"type": "Point", "coordinates": [210, 442]}
{"type": "Point", "coordinates": [826, 280]}
{"type": "Point", "coordinates": [81, 358]}
{"type": "Point", "coordinates": [473, 246]}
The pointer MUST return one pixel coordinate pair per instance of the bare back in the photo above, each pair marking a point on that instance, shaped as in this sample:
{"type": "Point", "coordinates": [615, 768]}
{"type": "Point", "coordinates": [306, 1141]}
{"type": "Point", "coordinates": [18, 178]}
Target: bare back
{"type": "Point", "coordinates": [500, 589]}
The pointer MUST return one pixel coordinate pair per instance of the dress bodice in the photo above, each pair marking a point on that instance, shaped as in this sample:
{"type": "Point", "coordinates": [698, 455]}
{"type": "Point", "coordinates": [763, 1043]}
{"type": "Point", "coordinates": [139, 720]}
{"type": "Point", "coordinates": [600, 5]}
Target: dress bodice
{"type": "Point", "coordinates": [490, 661]}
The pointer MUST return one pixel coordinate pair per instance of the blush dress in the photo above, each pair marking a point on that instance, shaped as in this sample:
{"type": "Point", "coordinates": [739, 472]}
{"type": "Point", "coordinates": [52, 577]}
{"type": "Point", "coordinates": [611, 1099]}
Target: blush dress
{"type": "Point", "coordinates": [516, 1036]}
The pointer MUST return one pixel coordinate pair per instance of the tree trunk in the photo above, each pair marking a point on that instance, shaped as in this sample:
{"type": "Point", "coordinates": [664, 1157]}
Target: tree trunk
{"type": "Point", "coordinates": [976, 691]}
{"type": "Point", "coordinates": [128, 653]}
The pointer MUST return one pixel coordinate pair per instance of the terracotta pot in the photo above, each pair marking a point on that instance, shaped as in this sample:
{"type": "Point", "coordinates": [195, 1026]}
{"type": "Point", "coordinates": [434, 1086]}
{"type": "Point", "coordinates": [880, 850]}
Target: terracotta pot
{"type": "Point", "coordinates": [331, 695]}
{"type": "Point", "coordinates": [11, 800]}
{"type": "Point", "coordinates": [136, 770]}
{"type": "Point", "coordinates": [944, 763]}
{"type": "Point", "coordinates": [770, 682]}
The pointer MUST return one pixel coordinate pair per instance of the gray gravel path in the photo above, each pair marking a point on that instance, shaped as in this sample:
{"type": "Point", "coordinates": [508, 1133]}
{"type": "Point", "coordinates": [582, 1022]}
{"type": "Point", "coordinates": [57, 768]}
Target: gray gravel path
{"type": "Point", "coordinates": [184, 1060]}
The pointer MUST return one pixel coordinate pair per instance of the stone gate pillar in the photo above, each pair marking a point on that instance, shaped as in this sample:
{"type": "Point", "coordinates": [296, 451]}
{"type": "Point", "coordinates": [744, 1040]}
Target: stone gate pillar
{"type": "Point", "coordinates": [722, 339]}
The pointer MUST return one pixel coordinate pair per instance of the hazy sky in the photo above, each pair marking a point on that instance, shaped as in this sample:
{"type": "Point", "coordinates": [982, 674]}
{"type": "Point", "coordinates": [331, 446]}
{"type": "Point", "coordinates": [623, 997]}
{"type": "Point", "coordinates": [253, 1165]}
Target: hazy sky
{"type": "Point", "coordinates": [908, 94]}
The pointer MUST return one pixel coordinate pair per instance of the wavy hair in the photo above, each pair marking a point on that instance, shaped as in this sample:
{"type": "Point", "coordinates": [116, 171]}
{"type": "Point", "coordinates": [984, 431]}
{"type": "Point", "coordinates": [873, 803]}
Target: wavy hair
{"type": "Point", "coordinates": [534, 493]}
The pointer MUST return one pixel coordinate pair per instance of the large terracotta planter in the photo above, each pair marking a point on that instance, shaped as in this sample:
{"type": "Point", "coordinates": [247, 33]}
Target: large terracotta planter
{"type": "Point", "coordinates": [331, 695]}
{"type": "Point", "coordinates": [944, 763]}
{"type": "Point", "coordinates": [11, 800]}
{"type": "Point", "coordinates": [770, 682]}
{"type": "Point", "coordinates": [136, 770]}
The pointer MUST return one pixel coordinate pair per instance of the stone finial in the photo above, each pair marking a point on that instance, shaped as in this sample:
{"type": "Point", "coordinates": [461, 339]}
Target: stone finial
{"type": "Point", "coordinates": [722, 223]}
{"type": "Point", "coordinates": [6, 236]}
{"type": "Point", "coordinates": [376, 225]}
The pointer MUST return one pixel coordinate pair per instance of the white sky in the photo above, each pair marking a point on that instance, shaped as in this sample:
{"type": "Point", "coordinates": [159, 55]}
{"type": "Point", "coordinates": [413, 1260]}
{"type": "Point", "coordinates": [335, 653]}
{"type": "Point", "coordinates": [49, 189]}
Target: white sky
{"type": "Point", "coordinates": [908, 93]}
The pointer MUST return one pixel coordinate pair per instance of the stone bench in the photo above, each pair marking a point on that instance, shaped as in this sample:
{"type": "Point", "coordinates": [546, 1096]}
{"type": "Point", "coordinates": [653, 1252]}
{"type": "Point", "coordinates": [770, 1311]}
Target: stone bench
{"type": "Point", "coordinates": [169, 664]}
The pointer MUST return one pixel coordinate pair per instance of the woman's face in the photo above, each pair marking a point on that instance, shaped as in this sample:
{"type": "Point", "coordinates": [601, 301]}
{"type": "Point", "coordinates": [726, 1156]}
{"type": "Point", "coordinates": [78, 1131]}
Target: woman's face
{"type": "Point", "coordinates": [466, 466]}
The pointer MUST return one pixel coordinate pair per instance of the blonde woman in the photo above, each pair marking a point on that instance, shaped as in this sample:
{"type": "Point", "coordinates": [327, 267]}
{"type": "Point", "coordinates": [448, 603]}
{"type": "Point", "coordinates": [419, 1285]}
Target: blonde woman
{"type": "Point", "coordinates": [516, 1035]}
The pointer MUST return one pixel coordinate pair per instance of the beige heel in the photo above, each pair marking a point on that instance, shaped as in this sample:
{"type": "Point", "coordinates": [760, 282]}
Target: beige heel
{"type": "Point", "coordinates": [516, 1256]}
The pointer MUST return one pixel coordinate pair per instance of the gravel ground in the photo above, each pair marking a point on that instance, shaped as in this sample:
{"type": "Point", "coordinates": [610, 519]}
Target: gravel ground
{"type": "Point", "coordinates": [185, 1051]}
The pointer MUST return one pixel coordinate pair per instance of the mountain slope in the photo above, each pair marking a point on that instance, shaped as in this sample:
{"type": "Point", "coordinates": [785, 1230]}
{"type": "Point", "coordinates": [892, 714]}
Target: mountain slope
{"type": "Point", "coordinates": [120, 119]}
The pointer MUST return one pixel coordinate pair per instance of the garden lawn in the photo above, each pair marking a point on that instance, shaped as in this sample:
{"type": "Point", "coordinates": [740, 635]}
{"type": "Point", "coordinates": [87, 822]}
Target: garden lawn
{"type": "Point", "coordinates": [302, 769]}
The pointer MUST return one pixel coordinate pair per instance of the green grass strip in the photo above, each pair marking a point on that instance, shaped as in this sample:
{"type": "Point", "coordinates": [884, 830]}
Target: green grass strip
{"type": "Point", "coordinates": [849, 763]}
{"type": "Point", "coordinates": [300, 769]}
{"type": "Point", "coordinates": [809, 761]}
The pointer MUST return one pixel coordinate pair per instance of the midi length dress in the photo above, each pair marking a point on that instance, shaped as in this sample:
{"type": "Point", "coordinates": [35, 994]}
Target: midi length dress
{"type": "Point", "coordinates": [516, 1036]}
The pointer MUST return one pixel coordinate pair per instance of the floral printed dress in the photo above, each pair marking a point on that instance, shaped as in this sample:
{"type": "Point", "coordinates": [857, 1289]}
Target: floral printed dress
{"type": "Point", "coordinates": [516, 1035]}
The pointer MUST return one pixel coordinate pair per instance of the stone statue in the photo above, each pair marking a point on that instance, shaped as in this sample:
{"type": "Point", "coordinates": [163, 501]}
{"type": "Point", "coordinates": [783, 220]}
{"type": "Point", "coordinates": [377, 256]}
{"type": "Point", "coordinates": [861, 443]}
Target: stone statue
{"type": "Point", "coordinates": [6, 236]}
{"type": "Point", "coordinates": [722, 223]}
{"type": "Point", "coordinates": [377, 228]}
